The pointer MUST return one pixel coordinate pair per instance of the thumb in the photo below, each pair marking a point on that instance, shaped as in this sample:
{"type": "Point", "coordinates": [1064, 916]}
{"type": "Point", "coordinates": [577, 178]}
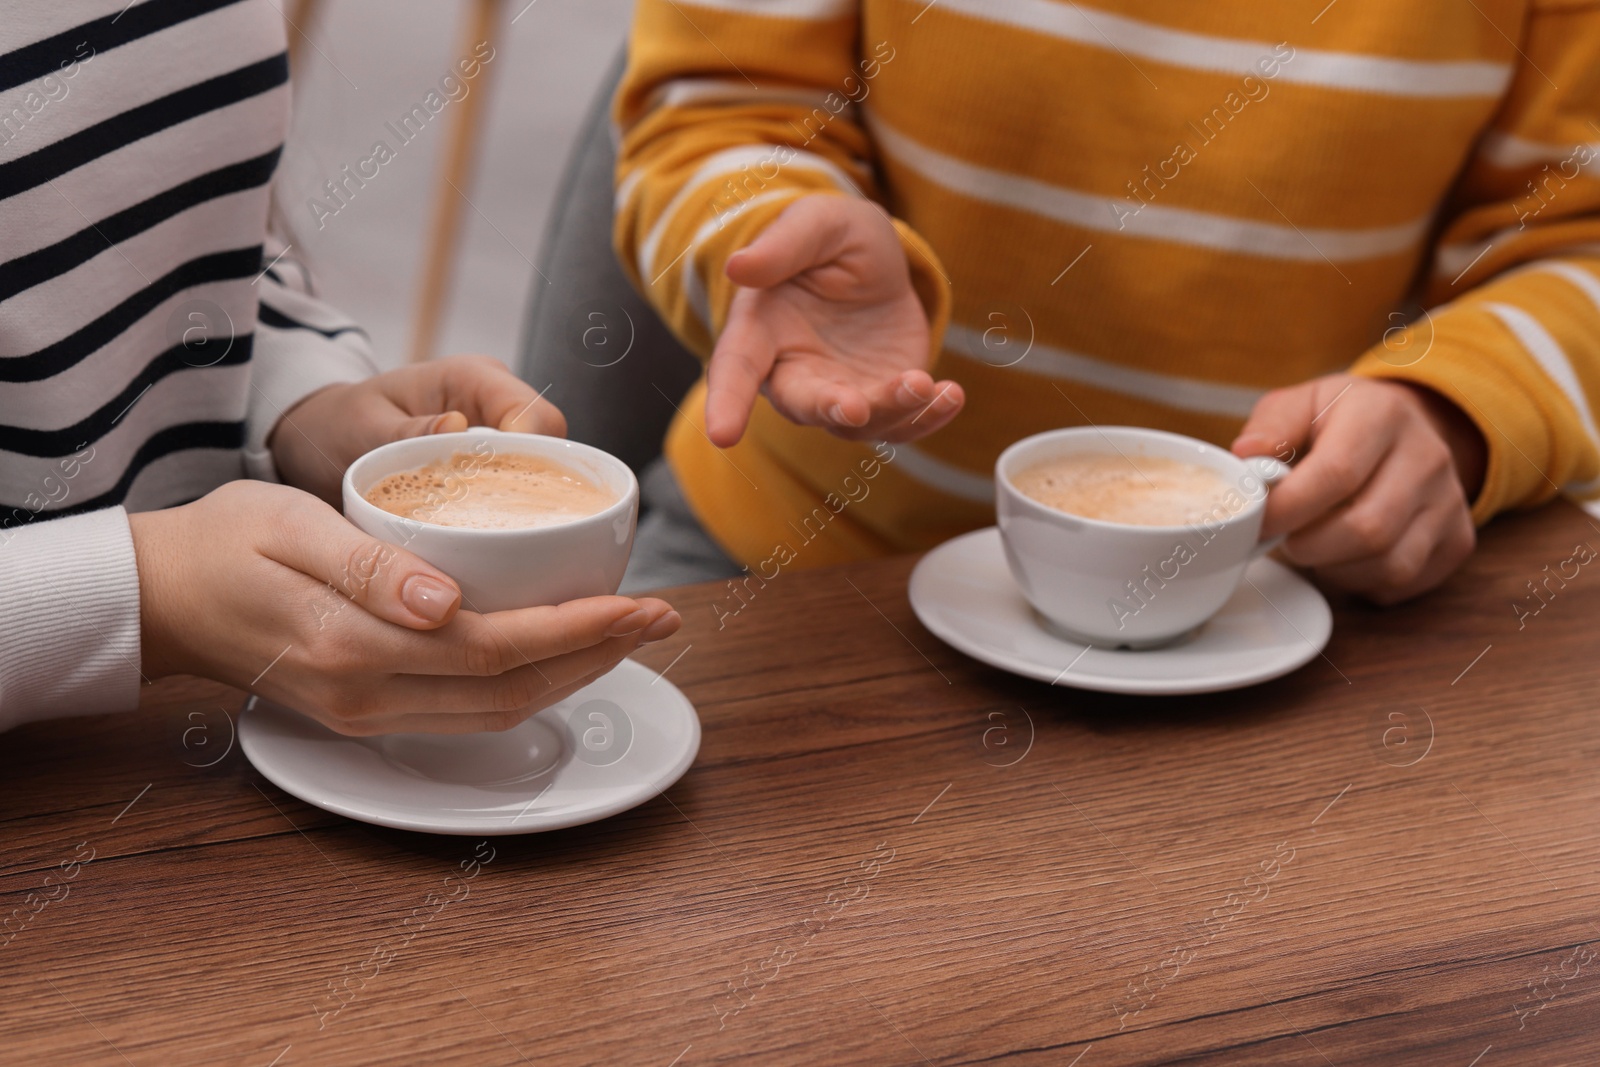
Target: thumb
{"type": "Point", "coordinates": [405, 426]}
{"type": "Point", "coordinates": [391, 422]}
{"type": "Point", "coordinates": [805, 235]}
{"type": "Point", "coordinates": [1280, 424]}
{"type": "Point", "coordinates": [391, 583]}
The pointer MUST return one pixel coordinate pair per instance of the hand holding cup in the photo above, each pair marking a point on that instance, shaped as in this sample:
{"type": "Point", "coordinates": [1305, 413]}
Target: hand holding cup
{"type": "Point", "coordinates": [266, 588]}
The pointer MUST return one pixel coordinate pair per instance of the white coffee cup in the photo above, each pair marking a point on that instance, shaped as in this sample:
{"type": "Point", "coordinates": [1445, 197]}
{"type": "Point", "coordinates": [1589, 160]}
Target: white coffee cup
{"type": "Point", "coordinates": [517, 567]}
{"type": "Point", "coordinates": [1119, 585]}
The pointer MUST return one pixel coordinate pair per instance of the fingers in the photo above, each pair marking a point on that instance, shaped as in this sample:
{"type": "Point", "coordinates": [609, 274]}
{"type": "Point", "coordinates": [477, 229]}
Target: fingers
{"type": "Point", "coordinates": [739, 367]}
{"type": "Point", "coordinates": [402, 427]}
{"type": "Point", "coordinates": [1282, 418]}
{"type": "Point", "coordinates": [1388, 518]}
{"type": "Point", "coordinates": [1370, 524]}
{"type": "Point", "coordinates": [826, 322]}
{"type": "Point", "coordinates": [436, 703]}
{"type": "Point", "coordinates": [492, 644]}
{"type": "Point", "coordinates": [946, 401]}
{"type": "Point", "coordinates": [490, 395]}
{"type": "Point", "coordinates": [802, 392]}
{"type": "Point", "coordinates": [464, 723]}
{"type": "Point", "coordinates": [1346, 449]}
{"type": "Point", "coordinates": [1280, 424]}
{"type": "Point", "coordinates": [533, 686]}
{"type": "Point", "coordinates": [1436, 542]}
{"type": "Point", "coordinates": [309, 536]}
{"type": "Point", "coordinates": [464, 391]}
{"type": "Point", "coordinates": [907, 406]}
{"type": "Point", "coordinates": [396, 586]}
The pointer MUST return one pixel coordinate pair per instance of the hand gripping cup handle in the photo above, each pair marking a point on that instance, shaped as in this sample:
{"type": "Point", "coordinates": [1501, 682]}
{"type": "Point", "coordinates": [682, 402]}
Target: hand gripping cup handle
{"type": "Point", "coordinates": [1271, 472]}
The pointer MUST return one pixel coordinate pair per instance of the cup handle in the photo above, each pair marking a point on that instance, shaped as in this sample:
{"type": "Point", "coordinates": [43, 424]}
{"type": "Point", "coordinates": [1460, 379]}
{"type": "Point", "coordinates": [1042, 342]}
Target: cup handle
{"type": "Point", "coordinates": [1271, 472]}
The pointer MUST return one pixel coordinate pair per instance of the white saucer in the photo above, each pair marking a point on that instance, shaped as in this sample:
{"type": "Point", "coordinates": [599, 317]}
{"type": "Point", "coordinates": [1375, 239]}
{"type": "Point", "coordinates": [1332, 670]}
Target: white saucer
{"type": "Point", "coordinates": [1275, 622]}
{"type": "Point", "coordinates": [608, 747]}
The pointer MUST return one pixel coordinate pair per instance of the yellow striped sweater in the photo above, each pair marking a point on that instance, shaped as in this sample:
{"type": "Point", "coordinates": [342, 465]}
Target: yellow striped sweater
{"type": "Point", "coordinates": [1133, 212]}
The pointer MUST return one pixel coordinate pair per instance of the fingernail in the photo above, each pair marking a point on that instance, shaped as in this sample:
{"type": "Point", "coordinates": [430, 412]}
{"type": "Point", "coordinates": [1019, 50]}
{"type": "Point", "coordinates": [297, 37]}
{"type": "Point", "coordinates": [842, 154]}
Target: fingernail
{"type": "Point", "coordinates": [836, 413]}
{"type": "Point", "coordinates": [665, 626]}
{"type": "Point", "coordinates": [630, 623]}
{"type": "Point", "coordinates": [909, 395]}
{"type": "Point", "coordinates": [428, 598]}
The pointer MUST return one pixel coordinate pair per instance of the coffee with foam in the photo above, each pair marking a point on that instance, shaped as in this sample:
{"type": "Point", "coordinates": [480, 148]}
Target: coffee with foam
{"type": "Point", "coordinates": [1136, 491]}
{"type": "Point", "coordinates": [494, 492]}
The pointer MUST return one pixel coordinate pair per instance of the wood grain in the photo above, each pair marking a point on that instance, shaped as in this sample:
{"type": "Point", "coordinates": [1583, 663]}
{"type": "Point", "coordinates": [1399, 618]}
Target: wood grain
{"type": "Point", "coordinates": [886, 853]}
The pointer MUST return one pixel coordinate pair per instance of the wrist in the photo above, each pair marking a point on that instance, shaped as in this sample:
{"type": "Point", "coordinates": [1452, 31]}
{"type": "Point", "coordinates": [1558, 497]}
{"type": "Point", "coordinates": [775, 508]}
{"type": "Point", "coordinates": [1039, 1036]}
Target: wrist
{"type": "Point", "coordinates": [929, 282]}
{"type": "Point", "coordinates": [1468, 448]}
{"type": "Point", "coordinates": [158, 643]}
{"type": "Point", "coordinates": [298, 459]}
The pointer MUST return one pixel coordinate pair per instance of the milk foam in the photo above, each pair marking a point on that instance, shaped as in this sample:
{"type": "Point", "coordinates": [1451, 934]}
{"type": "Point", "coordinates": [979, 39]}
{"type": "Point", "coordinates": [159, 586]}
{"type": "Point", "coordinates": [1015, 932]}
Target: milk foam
{"type": "Point", "coordinates": [1137, 491]}
{"type": "Point", "coordinates": [499, 492]}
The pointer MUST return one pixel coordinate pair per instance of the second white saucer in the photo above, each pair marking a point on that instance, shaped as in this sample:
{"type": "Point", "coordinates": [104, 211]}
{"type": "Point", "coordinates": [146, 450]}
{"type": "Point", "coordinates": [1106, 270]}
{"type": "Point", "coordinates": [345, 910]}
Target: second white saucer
{"type": "Point", "coordinates": [963, 592]}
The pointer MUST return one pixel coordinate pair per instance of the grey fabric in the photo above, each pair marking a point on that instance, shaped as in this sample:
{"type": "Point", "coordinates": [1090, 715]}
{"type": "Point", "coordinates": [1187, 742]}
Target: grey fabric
{"type": "Point", "coordinates": [671, 548]}
{"type": "Point", "coordinates": [609, 362]}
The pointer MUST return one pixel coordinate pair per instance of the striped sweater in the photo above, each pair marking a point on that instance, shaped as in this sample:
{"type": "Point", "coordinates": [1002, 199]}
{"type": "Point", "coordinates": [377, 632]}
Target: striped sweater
{"type": "Point", "coordinates": [1132, 212]}
{"type": "Point", "coordinates": [150, 336]}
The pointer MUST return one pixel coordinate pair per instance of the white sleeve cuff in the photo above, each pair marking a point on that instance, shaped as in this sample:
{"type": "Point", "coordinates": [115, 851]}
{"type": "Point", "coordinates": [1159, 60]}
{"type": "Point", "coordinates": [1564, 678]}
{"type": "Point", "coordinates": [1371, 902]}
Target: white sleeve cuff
{"type": "Point", "coordinates": [301, 346]}
{"type": "Point", "coordinates": [70, 642]}
{"type": "Point", "coordinates": [283, 376]}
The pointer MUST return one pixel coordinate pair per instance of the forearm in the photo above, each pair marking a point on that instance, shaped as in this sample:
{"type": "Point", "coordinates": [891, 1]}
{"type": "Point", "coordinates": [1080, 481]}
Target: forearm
{"type": "Point", "coordinates": [1513, 289]}
{"type": "Point", "coordinates": [72, 645]}
{"type": "Point", "coordinates": [1517, 358]}
{"type": "Point", "coordinates": [707, 163]}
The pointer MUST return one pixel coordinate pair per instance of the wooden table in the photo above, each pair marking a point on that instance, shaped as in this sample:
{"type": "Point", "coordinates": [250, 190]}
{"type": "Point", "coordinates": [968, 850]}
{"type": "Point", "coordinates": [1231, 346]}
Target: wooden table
{"type": "Point", "coordinates": [1386, 858]}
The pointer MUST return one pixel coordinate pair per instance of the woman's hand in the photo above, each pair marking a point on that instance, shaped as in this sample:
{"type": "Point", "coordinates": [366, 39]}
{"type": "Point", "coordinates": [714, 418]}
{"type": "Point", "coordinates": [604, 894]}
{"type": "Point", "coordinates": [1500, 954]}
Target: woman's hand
{"type": "Point", "coordinates": [268, 589]}
{"type": "Point", "coordinates": [1379, 503]}
{"type": "Point", "coordinates": [826, 324]}
{"type": "Point", "coordinates": [330, 429]}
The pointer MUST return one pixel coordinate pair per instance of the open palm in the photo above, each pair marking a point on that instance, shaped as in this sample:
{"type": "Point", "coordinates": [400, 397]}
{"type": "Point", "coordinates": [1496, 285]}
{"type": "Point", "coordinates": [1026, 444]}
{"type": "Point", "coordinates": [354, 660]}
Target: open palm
{"type": "Point", "coordinates": [826, 324]}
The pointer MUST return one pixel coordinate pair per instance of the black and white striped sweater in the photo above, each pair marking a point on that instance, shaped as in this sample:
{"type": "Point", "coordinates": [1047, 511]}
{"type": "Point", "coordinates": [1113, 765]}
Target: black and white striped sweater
{"type": "Point", "coordinates": [150, 334]}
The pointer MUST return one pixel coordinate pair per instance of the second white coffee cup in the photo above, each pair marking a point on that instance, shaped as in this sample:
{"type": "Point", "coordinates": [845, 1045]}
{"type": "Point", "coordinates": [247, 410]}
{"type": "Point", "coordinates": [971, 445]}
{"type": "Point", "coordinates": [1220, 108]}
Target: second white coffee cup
{"type": "Point", "coordinates": [1119, 585]}
{"type": "Point", "coordinates": [518, 567]}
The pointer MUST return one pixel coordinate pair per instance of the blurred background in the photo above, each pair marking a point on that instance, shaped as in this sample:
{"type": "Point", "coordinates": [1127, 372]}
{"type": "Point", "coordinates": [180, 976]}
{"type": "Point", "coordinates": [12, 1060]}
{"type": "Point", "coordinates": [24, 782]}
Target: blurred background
{"type": "Point", "coordinates": [363, 64]}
